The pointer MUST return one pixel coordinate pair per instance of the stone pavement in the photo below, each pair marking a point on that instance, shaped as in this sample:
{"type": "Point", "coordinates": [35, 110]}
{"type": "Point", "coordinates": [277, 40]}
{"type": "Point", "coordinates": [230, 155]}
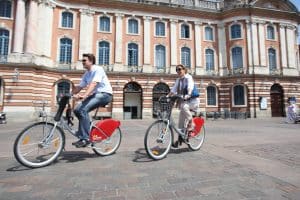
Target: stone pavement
{"type": "Point", "coordinates": [241, 159]}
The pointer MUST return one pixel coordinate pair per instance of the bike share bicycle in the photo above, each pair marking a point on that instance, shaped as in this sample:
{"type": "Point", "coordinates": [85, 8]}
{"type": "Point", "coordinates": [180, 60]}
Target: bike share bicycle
{"type": "Point", "coordinates": [41, 143]}
{"type": "Point", "coordinates": [160, 135]}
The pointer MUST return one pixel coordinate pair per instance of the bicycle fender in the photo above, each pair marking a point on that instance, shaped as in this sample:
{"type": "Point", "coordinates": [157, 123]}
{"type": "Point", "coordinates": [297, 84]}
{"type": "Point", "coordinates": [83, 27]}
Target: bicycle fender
{"type": "Point", "coordinates": [104, 129]}
{"type": "Point", "coordinates": [199, 122]}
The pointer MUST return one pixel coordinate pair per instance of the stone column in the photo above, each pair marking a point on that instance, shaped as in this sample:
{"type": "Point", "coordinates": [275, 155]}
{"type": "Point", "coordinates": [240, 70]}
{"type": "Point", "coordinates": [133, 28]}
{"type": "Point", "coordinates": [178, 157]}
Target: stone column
{"type": "Point", "coordinates": [262, 45]}
{"type": "Point", "coordinates": [86, 31]}
{"type": "Point", "coordinates": [283, 50]}
{"type": "Point", "coordinates": [223, 68]}
{"type": "Point", "coordinates": [118, 66]}
{"type": "Point", "coordinates": [198, 48]}
{"type": "Point", "coordinates": [249, 44]}
{"type": "Point", "coordinates": [32, 28]}
{"type": "Point", "coordinates": [291, 43]}
{"type": "Point", "coordinates": [255, 43]}
{"type": "Point", "coordinates": [174, 51]}
{"type": "Point", "coordinates": [45, 21]}
{"type": "Point", "coordinates": [147, 49]}
{"type": "Point", "coordinates": [19, 28]}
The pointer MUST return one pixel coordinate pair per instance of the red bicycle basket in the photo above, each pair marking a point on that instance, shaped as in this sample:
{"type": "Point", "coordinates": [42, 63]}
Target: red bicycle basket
{"type": "Point", "coordinates": [104, 129]}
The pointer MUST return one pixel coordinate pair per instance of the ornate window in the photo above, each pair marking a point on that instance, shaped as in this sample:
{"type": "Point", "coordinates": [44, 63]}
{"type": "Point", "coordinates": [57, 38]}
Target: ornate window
{"type": "Point", "coordinates": [236, 31]}
{"type": "Point", "coordinates": [133, 26]}
{"type": "Point", "coordinates": [209, 33]}
{"type": "Point", "coordinates": [239, 95]}
{"type": "Point", "coordinates": [67, 19]}
{"type": "Point", "coordinates": [237, 57]}
{"type": "Point", "coordinates": [211, 96]}
{"type": "Point", "coordinates": [104, 24]}
{"type": "Point", "coordinates": [132, 54]}
{"type": "Point", "coordinates": [103, 53]}
{"type": "Point", "coordinates": [4, 42]}
{"type": "Point", "coordinates": [272, 59]}
{"type": "Point", "coordinates": [5, 8]}
{"type": "Point", "coordinates": [270, 32]}
{"type": "Point", "coordinates": [186, 56]}
{"type": "Point", "coordinates": [65, 56]}
{"type": "Point", "coordinates": [185, 31]}
{"type": "Point", "coordinates": [210, 60]}
{"type": "Point", "coordinates": [160, 57]}
{"type": "Point", "coordinates": [160, 29]}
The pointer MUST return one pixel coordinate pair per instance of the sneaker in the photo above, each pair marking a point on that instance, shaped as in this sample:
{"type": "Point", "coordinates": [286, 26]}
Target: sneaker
{"type": "Point", "coordinates": [82, 143]}
{"type": "Point", "coordinates": [175, 145]}
{"type": "Point", "coordinates": [75, 143]}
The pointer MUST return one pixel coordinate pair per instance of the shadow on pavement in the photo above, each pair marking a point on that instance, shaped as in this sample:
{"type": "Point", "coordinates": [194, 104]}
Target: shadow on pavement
{"type": "Point", "coordinates": [141, 156]}
{"type": "Point", "coordinates": [75, 156]}
{"type": "Point", "coordinates": [18, 168]}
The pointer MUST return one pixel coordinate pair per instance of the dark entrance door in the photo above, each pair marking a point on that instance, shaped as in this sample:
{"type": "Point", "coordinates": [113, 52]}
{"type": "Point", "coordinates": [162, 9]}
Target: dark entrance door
{"type": "Point", "coordinates": [277, 104]}
{"type": "Point", "coordinates": [159, 90]}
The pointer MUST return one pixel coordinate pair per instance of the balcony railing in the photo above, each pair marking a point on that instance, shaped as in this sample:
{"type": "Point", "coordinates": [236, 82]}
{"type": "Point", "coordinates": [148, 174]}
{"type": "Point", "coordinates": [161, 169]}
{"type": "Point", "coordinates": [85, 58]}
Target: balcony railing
{"type": "Point", "coordinates": [159, 69]}
{"type": "Point", "coordinates": [275, 72]}
{"type": "Point", "coordinates": [194, 4]}
{"type": "Point", "coordinates": [3, 58]}
{"type": "Point", "coordinates": [136, 69]}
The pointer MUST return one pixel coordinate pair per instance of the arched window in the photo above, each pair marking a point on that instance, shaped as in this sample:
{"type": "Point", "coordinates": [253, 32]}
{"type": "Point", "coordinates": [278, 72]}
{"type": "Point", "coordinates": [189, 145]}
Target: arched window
{"type": "Point", "coordinates": [270, 32]}
{"type": "Point", "coordinates": [63, 88]}
{"type": "Point", "coordinates": [160, 56]}
{"type": "Point", "coordinates": [239, 95]}
{"type": "Point", "coordinates": [133, 27]}
{"type": "Point", "coordinates": [272, 59]}
{"type": "Point", "coordinates": [236, 31]}
{"type": "Point", "coordinates": [104, 24]}
{"type": "Point", "coordinates": [67, 20]}
{"type": "Point", "coordinates": [186, 56]}
{"type": "Point", "coordinates": [103, 53]}
{"type": "Point", "coordinates": [65, 56]}
{"type": "Point", "coordinates": [132, 54]}
{"type": "Point", "coordinates": [210, 60]}
{"type": "Point", "coordinates": [160, 29]}
{"type": "Point", "coordinates": [185, 31]}
{"type": "Point", "coordinates": [209, 33]}
{"type": "Point", "coordinates": [211, 96]}
{"type": "Point", "coordinates": [4, 42]}
{"type": "Point", "coordinates": [5, 8]}
{"type": "Point", "coordinates": [237, 57]}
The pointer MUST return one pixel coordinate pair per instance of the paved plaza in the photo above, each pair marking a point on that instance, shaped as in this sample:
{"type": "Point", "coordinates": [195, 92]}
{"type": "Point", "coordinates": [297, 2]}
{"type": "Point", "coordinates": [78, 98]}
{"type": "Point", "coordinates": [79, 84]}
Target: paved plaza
{"type": "Point", "coordinates": [241, 159]}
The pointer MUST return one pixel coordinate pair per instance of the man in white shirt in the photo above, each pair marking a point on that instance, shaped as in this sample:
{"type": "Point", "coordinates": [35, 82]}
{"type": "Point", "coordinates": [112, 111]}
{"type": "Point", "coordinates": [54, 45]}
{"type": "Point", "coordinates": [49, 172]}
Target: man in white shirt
{"type": "Point", "coordinates": [98, 93]}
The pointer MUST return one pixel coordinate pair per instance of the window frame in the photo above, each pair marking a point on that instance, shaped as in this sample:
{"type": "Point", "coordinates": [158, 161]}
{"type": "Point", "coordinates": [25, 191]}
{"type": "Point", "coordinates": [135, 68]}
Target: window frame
{"type": "Point", "coordinates": [138, 26]}
{"type": "Point", "coordinates": [274, 32]}
{"type": "Point", "coordinates": [98, 53]}
{"type": "Point", "coordinates": [213, 33]}
{"type": "Point", "coordinates": [155, 56]}
{"type": "Point", "coordinates": [214, 62]}
{"type": "Point", "coordinates": [216, 96]}
{"type": "Point", "coordinates": [127, 54]}
{"type": "Point", "coordinates": [241, 30]}
{"type": "Point", "coordinates": [189, 29]}
{"type": "Point", "coordinates": [155, 28]}
{"type": "Point", "coordinates": [99, 24]}
{"type": "Point", "coordinates": [275, 59]}
{"type": "Point", "coordinates": [11, 11]}
{"type": "Point", "coordinates": [245, 90]}
{"type": "Point", "coordinates": [231, 55]}
{"type": "Point", "coordinates": [59, 52]}
{"type": "Point", "coordinates": [9, 40]}
{"type": "Point", "coordinates": [190, 57]}
{"type": "Point", "coordinates": [61, 18]}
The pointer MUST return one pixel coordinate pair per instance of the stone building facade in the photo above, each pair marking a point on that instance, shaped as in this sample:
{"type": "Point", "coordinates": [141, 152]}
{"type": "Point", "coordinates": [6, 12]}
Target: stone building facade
{"type": "Point", "coordinates": [243, 55]}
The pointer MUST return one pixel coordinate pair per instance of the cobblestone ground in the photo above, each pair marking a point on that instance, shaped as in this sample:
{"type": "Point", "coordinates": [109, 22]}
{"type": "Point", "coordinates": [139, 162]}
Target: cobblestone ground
{"type": "Point", "coordinates": [241, 159]}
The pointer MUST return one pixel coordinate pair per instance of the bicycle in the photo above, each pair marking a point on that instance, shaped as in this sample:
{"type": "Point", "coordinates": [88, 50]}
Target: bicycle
{"type": "Point", "coordinates": [160, 135]}
{"type": "Point", "coordinates": [41, 143]}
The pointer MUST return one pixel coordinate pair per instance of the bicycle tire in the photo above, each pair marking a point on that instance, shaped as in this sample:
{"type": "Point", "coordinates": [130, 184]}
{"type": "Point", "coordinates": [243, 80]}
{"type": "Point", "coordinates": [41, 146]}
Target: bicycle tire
{"type": "Point", "coordinates": [196, 142]}
{"type": "Point", "coordinates": [108, 149]}
{"type": "Point", "coordinates": [162, 134]}
{"type": "Point", "coordinates": [33, 138]}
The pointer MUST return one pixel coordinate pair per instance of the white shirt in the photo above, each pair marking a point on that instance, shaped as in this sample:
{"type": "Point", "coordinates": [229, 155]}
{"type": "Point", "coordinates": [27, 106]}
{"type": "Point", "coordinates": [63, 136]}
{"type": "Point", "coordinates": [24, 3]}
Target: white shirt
{"type": "Point", "coordinates": [96, 74]}
{"type": "Point", "coordinates": [190, 83]}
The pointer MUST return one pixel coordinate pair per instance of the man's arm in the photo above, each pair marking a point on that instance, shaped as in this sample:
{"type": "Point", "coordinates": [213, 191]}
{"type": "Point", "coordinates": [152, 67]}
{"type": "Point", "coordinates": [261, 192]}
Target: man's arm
{"type": "Point", "coordinates": [76, 89]}
{"type": "Point", "coordinates": [89, 90]}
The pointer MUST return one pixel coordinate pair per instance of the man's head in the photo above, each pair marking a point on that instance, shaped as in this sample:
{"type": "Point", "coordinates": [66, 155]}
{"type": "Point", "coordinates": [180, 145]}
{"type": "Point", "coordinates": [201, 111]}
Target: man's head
{"type": "Point", "coordinates": [88, 60]}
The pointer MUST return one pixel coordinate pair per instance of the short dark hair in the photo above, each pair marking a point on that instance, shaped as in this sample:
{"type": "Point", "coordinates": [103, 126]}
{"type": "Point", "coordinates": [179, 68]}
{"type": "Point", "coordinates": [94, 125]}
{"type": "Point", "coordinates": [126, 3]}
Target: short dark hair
{"type": "Point", "coordinates": [90, 56]}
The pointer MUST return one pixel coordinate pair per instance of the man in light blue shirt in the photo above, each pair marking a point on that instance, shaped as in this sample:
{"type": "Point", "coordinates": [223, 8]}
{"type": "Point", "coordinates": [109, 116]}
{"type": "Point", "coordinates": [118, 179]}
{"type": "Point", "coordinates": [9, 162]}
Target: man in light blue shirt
{"type": "Point", "coordinates": [98, 93]}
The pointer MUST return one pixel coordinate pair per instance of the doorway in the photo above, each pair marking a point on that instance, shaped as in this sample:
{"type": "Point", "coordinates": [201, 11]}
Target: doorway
{"type": "Point", "coordinates": [277, 101]}
{"type": "Point", "coordinates": [132, 101]}
{"type": "Point", "coordinates": [160, 89]}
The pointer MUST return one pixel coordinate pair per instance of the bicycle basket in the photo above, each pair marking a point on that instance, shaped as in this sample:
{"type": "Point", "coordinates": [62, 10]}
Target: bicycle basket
{"type": "Point", "coordinates": [165, 106]}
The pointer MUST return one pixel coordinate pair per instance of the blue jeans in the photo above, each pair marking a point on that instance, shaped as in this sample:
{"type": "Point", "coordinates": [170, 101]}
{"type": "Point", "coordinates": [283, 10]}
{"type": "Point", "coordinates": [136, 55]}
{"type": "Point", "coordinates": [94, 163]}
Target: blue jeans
{"type": "Point", "coordinates": [82, 112]}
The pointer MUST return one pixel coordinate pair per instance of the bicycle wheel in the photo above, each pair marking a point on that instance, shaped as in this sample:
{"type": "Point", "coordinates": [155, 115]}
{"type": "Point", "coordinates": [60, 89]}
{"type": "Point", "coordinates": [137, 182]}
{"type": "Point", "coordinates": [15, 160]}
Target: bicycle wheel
{"type": "Point", "coordinates": [36, 147]}
{"type": "Point", "coordinates": [158, 140]}
{"type": "Point", "coordinates": [196, 141]}
{"type": "Point", "coordinates": [109, 145]}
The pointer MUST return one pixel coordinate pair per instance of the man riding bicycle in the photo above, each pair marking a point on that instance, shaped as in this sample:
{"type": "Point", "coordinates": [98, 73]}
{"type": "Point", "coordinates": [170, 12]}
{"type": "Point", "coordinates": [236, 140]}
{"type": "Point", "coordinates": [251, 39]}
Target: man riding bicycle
{"type": "Point", "coordinates": [98, 93]}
